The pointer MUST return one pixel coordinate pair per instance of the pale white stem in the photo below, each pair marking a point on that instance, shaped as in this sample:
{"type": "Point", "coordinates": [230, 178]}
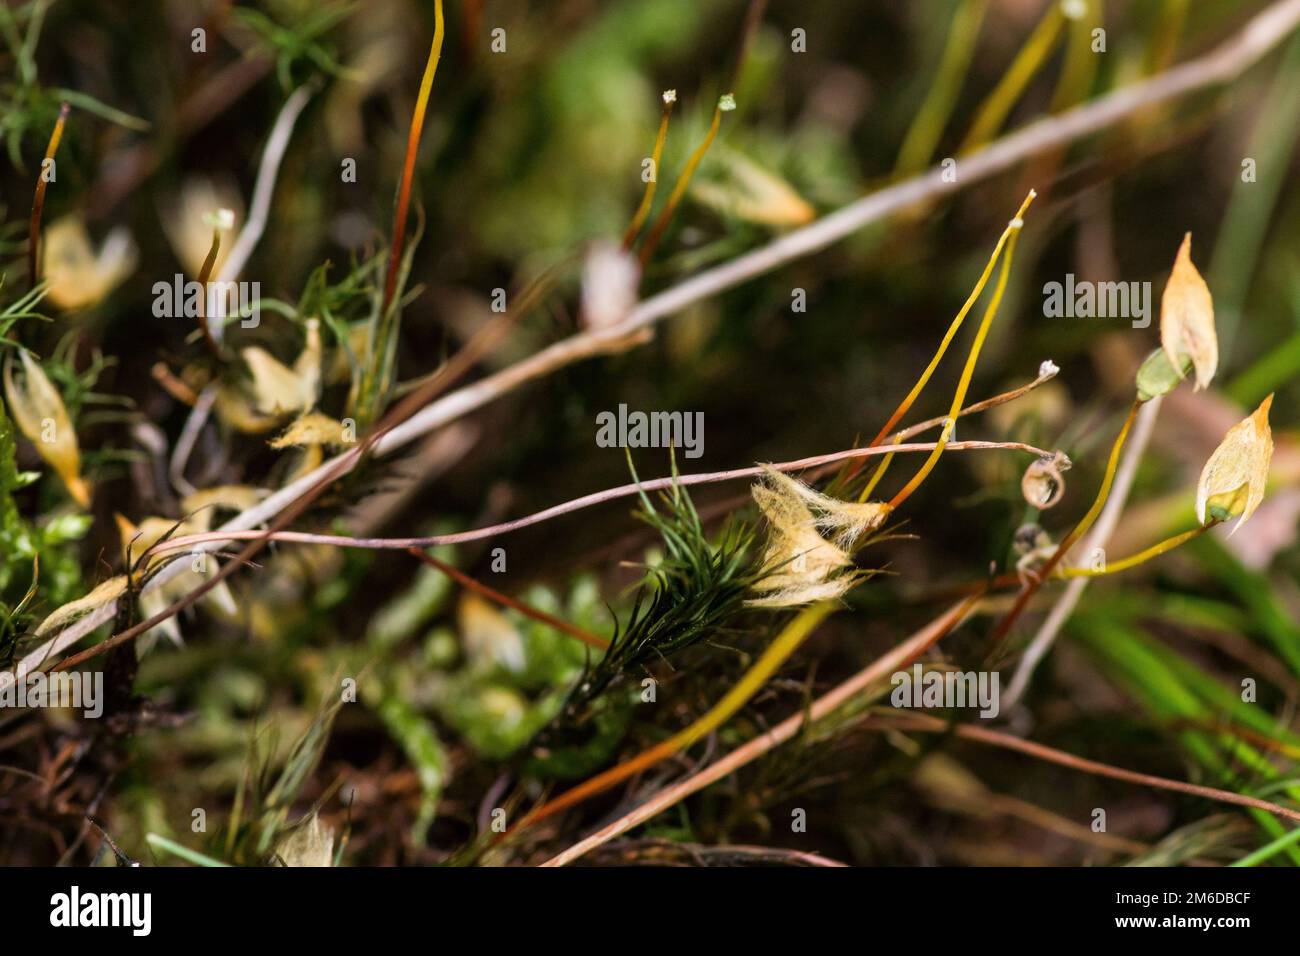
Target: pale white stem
{"type": "Point", "coordinates": [193, 427]}
{"type": "Point", "coordinates": [258, 213]}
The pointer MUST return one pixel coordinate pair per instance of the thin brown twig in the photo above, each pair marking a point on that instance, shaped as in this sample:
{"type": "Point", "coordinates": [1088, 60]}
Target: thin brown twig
{"type": "Point", "coordinates": [1048, 373]}
{"type": "Point", "coordinates": [660, 852]}
{"type": "Point", "coordinates": [527, 610]}
{"type": "Point", "coordinates": [928, 724]}
{"type": "Point", "coordinates": [906, 652]}
{"type": "Point", "coordinates": [293, 499]}
{"type": "Point", "coordinates": [1255, 40]}
{"type": "Point", "coordinates": [577, 504]}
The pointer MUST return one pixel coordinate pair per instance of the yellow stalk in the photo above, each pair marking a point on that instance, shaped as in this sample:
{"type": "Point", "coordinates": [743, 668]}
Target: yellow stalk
{"type": "Point", "coordinates": [1113, 567]}
{"type": "Point", "coordinates": [995, 109]}
{"type": "Point", "coordinates": [968, 371]}
{"type": "Point", "coordinates": [953, 329]}
{"type": "Point", "coordinates": [1103, 493]}
{"type": "Point", "coordinates": [1080, 66]}
{"type": "Point", "coordinates": [643, 210]}
{"type": "Point", "coordinates": [1164, 42]}
{"type": "Point", "coordinates": [927, 128]}
{"type": "Point", "coordinates": [875, 478]}
{"type": "Point", "coordinates": [725, 104]}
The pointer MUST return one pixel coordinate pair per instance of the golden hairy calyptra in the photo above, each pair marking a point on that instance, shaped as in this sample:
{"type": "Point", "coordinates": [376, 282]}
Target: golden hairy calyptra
{"type": "Point", "coordinates": [806, 566]}
{"type": "Point", "coordinates": [1187, 318]}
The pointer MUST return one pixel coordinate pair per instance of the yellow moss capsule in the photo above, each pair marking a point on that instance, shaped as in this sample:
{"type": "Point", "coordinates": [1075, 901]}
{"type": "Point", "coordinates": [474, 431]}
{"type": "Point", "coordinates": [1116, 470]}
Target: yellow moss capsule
{"type": "Point", "coordinates": [1233, 480]}
{"type": "Point", "coordinates": [1187, 318]}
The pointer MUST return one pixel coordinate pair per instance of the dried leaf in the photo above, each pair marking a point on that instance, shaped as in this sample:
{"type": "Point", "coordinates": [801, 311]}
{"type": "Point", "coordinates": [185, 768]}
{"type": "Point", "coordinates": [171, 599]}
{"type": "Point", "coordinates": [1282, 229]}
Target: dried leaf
{"type": "Point", "coordinates": [78, 277]}
{"type": "Point", "coordinates": [236, 409]}
{"type": "Point", "coordinates": [107, 592]}
{"type": "Point", "coordinates": [609, 285]}
{"type": "Point", "coordinates": [490, 638]}
{"type": "Point", "coordinates": [278, 390]}
{"type": "Point", "coordinates": [752, 193]}
{"type": "Point", "coordinates": [313, 428]}
{"type": "Point", "coordinates": [40, 414]}
{"type": "Point", "coordinates": [847, 521]}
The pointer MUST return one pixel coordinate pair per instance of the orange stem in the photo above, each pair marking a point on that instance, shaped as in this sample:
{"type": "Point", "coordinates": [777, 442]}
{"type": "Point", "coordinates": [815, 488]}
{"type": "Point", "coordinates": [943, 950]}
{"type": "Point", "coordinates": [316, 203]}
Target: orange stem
{"type": "Point", "coordinates": [38, 201]}
{"type": "Point", "coordinates": [408, 168]}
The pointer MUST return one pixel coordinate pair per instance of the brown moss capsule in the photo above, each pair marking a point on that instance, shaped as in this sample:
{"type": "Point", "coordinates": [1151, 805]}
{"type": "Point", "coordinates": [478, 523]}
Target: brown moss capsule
{"type": "Point", "coordinates": [1042, 484]}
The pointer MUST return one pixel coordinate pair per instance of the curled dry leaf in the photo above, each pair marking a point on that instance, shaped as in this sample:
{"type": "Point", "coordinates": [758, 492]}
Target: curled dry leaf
{"type": "Point", "coordinates": [846, 521]}
{"type": "Point", "coordinates": [1233, 480]}
{"type": "Point", "coordinates": [235, 409]}
{"type": "Point", "coordinates": [314, 428]}
{"type": "Point", "coordinates": [1187, 318]}
{"type": "Point", "coordinates": [748, 191]}
{"type": "Point", "coordinates": [40, 414]}
{"type": "Point", "coordinates": [78, 276]}
{"type": "Point", "coordinates": [274, 390]}
{"type": "Point", "coordinates": [279, 390]}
